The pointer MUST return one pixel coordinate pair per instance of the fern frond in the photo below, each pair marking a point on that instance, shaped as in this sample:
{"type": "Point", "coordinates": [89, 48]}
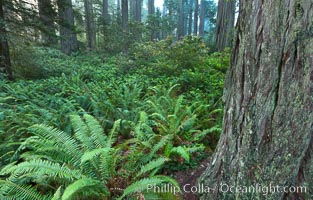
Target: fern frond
{"type": "Point", "coordinates": [10, 190]}
{"type": "Point", "coordinates": [58, 194]}
{"type": "Point", "coordinates": [113, 132]}
{"type": "Point", "coordinates": [40, 168]}
{"type": "Point", "coordinates": [181, 151]}
{"type": "Point", "coordinates": [178, 104]}
{"type": "Point", "coordinates": [141, 185]}
{"type": "Point", "coordinates": [92, 154]}
{"type": "Point", "coordinates": [170, 180]}
{"type": "Point", "coordinates": [92, 186]}
{"type": "Point", "coordinates": [81, 132]}
{"type": "Point", "coordinates": [62, 140]}
{"type": "Point", "coordinates": [108, 163]}
{"type": "Point", "coordinates": [171, 89]}
{"type": "Point", "coordinates": [152, 165]}
{"type": "Point", "coordinates": [96, 131]}
{"type": "Point", "coordinates": [204, 133]}
{"type": "Point", "coordinates": [163, 141]}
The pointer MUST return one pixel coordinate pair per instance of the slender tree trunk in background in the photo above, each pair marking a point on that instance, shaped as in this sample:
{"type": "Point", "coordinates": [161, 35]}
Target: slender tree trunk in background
{"type": "Point", "coordinates": [46, 14]}
{"type": "Point", "coordinates": [202, 18]}
{"type": "Point", "coordinates": [268, 118]}
{"type": "Point", "coordinates": [138, 10]}
{"type": "Point", "coordinates": [180, 27]}
{"type": "Point", "coordinates": [118, 11]}
{"type": "Point", "coordinates": [195, 18]}
{"type": "Point", "coordinates": [105, 12]}
{"type": "Point", "coordinates": [125, 24]}
{"type": "Point", "coordinates": [90, 24]}
{"type": "Point", "coordinates": [125, 15]}
{"type": "Point", "coordinates": [69, 42]}
{"type": "Point", "coordinates": [190, 17]}
{"type": "Point", "coordinates": [225, 23]}
{"type": "Point", "coordinates": [164, 9]}
{"type": "Point", "coordinates": [151, 11]}
{"type": "Point", "coordinates": [5, 62]}
{"type": "Point", "coordinates": [132, 9]}
{"type": "Point", "coordinates": [186, 12]}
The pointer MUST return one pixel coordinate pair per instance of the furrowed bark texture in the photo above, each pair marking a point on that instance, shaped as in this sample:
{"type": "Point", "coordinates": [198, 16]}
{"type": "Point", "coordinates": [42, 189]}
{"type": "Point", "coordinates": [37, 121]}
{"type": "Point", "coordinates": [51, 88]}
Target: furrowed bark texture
{"type": "Point", "coordinates": [268, 117]}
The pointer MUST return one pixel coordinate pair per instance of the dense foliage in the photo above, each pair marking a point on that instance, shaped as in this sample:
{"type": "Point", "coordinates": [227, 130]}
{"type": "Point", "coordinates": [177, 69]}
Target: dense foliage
{"type": "Point", "coordinates": [97, 126]}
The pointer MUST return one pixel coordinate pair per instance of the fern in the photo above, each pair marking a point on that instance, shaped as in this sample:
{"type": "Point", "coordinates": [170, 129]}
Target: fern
{"type": "Point", "coordinates": [90, 155]}
{"type": "Point", "coordinates": [162, 142]}
{"type": "Point", "coordinates": [83, 185]}
{"type": "Point", "coordinates": [141, 185]}
{"type": "Point", "coordinates": [152, 165]}
{"type": "Point", "coordinates": [40, 168]}
{"type": "Point", "coordinates": [81, 132]}
{"type": "Point", "coordinates": [61, 139]}
{"type": "Point", "coordinates": [112, 135]}
{"type": "Point", "coordinates": [181, 151]}
{"type": "Point", "coordinates": [10, 190]}
{"type": "Point", "coordinates": [96, 131]}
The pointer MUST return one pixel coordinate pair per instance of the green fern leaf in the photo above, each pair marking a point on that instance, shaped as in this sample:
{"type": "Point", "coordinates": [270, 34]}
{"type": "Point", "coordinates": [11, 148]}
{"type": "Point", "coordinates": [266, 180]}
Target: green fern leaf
{"type": "Point", "coordinates": [58, 194]}
{"type": "Point", "coordinates": [92, 154]}
{"type": "Point", "coordinates": [96, 131]}
{"type": "Point", "coordinates": [15, 191]}
{"type": "Point", "coordinates": [141, 185]}
{"type": "Point", "coordinates": [152, 165]}
{"type": "Point", "coordinates": [83, 184]}
{"type": "Point", "coordinates": [62, 140]}
{"type": "Point", "coordinates": [40, 168]}
{"type": "Point", "coordinates": [182, 152]}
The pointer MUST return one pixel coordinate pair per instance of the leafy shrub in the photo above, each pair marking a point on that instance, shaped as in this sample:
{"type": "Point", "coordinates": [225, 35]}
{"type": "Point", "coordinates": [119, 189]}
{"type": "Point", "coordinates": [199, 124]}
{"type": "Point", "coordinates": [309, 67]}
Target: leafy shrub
{"type": "Point", "coordinates": [168, 56]}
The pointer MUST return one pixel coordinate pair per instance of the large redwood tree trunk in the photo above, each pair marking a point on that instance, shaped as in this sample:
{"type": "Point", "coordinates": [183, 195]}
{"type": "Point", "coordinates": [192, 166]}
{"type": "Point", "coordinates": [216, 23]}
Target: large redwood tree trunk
{"type": "Point", "coordinates": [268, 118]}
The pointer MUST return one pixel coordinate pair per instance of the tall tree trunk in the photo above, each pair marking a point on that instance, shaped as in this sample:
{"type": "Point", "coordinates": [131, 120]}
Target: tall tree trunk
{"type": "Point", "coordinates": [118, 12]}
{"type": "Point", "coordinates": [90, 24]}
{"type": "Point", "coordinates": [5, 62]}
{"type": "Point", "coordinates": [180, 27]}
{"type": "Point", "coordinates": [186, 14]}
{"type": "Point", "coordinates": [190, 17]}
{"type": "Point", "coordinates": [138, 10]}
{"type": "Point", "coordinates": [132, 9]}
{"type": "Point", "coordinates": [195, 18]}
{"type": "Point", "coordinates": [125, 15]}
{"type": "Point", "coordinates": [105, 12]}
{"type": "Point", "coordinates": [46, 14]}
{"type": "Point", "coordinates": [268, 118]}
{"type": "Point", "coordinates": [225, 23]}
{"type": "Point", "coordinates": [69, 42]}
{"type": "Point", "coordinates": [125, 24]}
{"type": "Point", "coordinates": [202, 18]}
{"type": "Point", "coordinates": [151, 11]}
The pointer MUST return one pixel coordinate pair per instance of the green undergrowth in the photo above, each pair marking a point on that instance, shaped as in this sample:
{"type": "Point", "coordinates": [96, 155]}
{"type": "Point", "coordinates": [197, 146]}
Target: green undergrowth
{"type": "Point", "coordinates": [86, 125]}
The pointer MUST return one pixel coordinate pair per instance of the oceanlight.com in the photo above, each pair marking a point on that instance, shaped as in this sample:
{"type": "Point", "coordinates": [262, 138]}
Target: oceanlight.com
{"type": "Point", "coordinates": [225, 188]}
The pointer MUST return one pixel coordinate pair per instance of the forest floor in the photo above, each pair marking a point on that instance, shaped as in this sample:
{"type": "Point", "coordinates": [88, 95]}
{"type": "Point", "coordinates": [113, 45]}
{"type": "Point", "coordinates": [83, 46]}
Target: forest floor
{"type": "Point", "coordinates": [191, 177]}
